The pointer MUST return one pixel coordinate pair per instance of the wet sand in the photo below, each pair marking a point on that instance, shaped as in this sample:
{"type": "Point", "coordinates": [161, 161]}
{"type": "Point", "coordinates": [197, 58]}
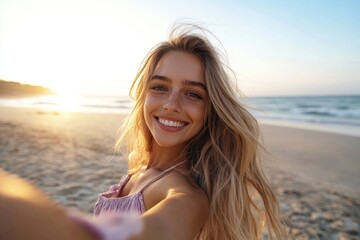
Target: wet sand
{"type": "Point", "coordinates": [70, 156]}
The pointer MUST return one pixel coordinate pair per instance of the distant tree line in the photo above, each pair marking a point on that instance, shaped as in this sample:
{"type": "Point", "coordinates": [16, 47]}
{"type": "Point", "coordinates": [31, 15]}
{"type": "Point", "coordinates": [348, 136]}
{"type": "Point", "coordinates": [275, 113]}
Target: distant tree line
{"type": "Point", "coordinates": [15, 89]}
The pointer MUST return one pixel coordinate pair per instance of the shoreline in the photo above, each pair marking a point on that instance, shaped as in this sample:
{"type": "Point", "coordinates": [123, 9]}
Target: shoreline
{"type": "Point", "coordinates": [353, 131]}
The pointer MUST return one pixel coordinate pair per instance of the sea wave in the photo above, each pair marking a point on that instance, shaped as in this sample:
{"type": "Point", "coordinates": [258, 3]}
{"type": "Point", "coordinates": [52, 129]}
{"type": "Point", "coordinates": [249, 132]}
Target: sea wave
{"type": "Point", "coordinates": [343, 110]}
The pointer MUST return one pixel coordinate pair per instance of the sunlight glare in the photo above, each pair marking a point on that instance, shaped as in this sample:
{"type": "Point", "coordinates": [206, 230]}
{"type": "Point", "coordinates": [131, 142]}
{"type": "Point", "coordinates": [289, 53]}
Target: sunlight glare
{"type": "Point", "coordinates": [67, 102]}
{"type": "Point", "coordinates": [62, 102]}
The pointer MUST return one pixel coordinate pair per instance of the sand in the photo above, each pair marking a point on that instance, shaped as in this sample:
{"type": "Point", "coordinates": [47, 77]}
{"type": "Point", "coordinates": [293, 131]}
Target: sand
{"type": "Point", "coordinates": [70, 156]}
{"type": "Point", "coordinates": [319, 158]}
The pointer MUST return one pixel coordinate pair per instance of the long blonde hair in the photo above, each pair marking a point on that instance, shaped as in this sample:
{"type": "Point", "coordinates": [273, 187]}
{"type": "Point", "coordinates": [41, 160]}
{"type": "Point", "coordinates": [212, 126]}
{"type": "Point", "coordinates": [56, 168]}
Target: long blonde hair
{"type": "Point", "coordinates": [224, 156]}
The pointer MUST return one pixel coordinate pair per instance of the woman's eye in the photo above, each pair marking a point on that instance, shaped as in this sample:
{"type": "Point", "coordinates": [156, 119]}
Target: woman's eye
{"type": "Point", "coordinates": [194, 95]}
{"type": "Point", "coordinates": [158, 88]}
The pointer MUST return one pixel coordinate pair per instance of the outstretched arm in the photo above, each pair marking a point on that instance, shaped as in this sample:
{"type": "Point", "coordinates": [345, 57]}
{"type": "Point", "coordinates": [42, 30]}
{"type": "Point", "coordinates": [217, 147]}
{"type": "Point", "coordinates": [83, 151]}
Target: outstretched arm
{"type": "Point", "coordinates": [27, 213]}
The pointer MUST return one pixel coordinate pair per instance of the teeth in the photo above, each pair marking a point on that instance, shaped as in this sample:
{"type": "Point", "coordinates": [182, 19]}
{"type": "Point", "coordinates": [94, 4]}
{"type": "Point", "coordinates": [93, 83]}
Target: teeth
{"type": "Point", "coordinates": [171, 123]}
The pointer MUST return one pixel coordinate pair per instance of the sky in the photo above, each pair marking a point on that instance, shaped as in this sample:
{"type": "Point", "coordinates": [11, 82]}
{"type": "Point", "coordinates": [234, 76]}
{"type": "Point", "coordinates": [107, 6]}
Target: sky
{"type": "Point", "coordinates": [276, 48]}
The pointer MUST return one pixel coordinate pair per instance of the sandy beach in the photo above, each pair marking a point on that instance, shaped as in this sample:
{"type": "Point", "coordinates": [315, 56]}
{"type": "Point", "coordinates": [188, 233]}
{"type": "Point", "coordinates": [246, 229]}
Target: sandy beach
{"type": "Point", "coordinates": [70, 156]}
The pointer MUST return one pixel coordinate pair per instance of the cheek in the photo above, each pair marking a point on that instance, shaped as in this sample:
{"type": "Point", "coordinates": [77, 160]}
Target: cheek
{"type": "Point", "coordinates": [198, 115]}
{"type": "Point", "coordinates": [150, 102]}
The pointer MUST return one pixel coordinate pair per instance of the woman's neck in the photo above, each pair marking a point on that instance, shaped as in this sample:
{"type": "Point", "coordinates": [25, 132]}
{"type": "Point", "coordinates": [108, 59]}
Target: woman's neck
{"type": "Point", "coordinates": [162, 158]}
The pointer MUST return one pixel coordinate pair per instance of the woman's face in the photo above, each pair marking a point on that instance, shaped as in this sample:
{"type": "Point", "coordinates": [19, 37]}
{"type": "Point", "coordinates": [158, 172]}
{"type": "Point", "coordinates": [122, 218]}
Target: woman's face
{"type": "Point", "coordinates": [176, 98]}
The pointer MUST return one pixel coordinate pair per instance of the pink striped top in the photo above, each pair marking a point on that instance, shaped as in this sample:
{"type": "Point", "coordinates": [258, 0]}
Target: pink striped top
{"type": "Point", "coordinates": [111, 201]}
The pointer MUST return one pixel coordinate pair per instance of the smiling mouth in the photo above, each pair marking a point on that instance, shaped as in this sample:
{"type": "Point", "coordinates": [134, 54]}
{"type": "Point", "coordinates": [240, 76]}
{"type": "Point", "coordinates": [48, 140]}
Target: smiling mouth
{"type": "Point", "coordinates": [170, 123]}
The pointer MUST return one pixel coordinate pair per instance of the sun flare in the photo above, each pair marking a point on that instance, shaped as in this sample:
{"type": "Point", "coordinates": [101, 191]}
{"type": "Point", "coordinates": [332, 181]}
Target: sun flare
{"type": "Point", "coordinates": [67, 102]}
{"type": "Point", "coordinates": [62, 102]}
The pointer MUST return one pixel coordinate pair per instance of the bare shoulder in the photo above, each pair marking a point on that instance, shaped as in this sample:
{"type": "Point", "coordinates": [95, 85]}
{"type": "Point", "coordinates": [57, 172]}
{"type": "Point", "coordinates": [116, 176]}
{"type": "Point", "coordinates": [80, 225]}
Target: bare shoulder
{"type": "Point", "coordinates": [176, 182]}
{"type": "Point", "coordinates": [180, 205]}
{"type": "Point", "coordinates": [176, 185]}
{"type": "Point", "coordinates": [179, 185]}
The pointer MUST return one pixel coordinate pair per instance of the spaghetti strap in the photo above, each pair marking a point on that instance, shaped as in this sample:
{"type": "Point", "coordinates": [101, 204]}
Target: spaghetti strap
{"type": "Point", "coordinates": [122, 184]}
{"type": "Point", "coordinates": [163, 173]}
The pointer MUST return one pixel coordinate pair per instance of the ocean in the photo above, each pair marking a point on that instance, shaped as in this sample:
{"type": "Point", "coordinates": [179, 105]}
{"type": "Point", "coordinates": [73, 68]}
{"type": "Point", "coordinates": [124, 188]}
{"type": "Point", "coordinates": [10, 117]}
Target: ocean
{"type": "Point", "coordinates": [325, 111]}
{"type": "Point", "coordinates": [341, 110]}
{"type": "Point", "coordinates": [82, 103]}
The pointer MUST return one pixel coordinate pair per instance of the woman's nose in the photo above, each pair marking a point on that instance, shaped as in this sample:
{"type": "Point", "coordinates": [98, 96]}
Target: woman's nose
{"type": "Point", "coordinates": [173, 103]}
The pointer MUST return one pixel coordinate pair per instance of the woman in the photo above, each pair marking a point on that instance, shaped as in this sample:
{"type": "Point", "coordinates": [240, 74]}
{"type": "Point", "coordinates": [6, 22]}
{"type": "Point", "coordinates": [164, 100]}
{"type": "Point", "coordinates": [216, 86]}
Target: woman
{"type": "Point", "coordinates": [193, 149]}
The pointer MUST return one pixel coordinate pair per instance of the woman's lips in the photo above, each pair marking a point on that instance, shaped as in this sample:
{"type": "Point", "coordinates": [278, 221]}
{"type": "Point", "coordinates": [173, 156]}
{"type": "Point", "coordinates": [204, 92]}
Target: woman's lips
{"type": "Point", "coordinates": [170, 125]}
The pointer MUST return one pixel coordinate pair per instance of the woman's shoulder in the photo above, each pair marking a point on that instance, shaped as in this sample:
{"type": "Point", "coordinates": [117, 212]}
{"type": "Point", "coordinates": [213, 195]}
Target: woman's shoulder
{"type": "Point", "coordinates": [182, 182]}
{"type": "Point", "coordinates": [175, 202]}
{"type": "Point", "coordinates": [182, 206]}
{"type": "Point", "coordinates": [179, 184]}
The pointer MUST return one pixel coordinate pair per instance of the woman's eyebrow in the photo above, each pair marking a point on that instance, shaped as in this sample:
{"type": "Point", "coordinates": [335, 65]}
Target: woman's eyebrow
{"type": "Point", "coordinates": [186, 82]}
{"type": "Point", "coordinates": [159, 77]}
{"type": "Point", "coordinates": [195, 83]}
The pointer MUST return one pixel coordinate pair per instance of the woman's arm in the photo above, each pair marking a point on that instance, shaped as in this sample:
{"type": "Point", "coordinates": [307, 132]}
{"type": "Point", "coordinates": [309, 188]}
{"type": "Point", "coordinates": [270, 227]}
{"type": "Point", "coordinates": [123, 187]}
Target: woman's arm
{"type": "Point", "coordinates": [27, 213]}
